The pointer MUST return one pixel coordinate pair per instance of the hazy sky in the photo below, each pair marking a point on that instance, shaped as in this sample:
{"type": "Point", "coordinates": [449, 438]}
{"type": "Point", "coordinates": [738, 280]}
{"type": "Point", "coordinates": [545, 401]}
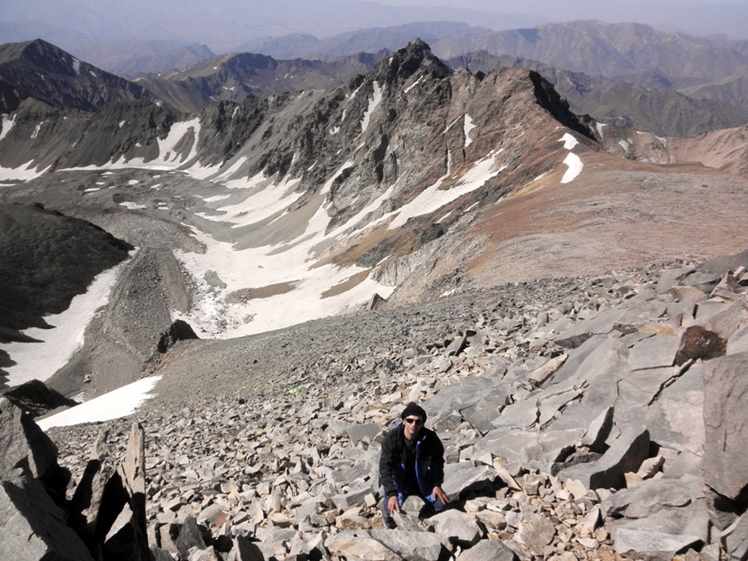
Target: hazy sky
{"type": "Point", "coordinates": [224, 24]}
{"type": "Point", "coordinates": [701, 17]}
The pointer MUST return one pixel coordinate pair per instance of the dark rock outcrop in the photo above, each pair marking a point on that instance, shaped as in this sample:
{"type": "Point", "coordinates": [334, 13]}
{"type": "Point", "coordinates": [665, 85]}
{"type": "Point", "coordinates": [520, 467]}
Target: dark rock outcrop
{"type": "Point", "coordinates": [36, 399]}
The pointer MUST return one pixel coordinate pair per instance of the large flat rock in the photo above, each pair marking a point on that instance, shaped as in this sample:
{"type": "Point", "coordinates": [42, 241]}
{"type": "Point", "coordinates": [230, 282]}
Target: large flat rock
{"type": "Point", "coordinates": [726, 425]}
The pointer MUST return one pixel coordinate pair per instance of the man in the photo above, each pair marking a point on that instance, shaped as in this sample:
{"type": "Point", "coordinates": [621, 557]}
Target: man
{"type": "Point", "coordinates": [412, 463]}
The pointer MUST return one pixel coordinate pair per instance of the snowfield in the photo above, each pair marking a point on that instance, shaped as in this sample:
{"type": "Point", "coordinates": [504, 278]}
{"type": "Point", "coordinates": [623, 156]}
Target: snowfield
{"type": "Point", "coordinates": [113, 405]}
{"type": "Point", "coordinates": [41, 360]}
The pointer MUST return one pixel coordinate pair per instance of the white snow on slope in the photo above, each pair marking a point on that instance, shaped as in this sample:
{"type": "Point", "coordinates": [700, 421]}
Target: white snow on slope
{"type": "Point", "coordinates": [167, 158]}
{"type": "Point", "coordinates": [176, 133]}
{"type": "Point", "coordinates": [259, 205]}
{"type": "Point", "coordinates": [600, 127]}
{"type": "Point", "coordinates": [575, 168]}
{"type": "Point", "coordinates": [291, 263]}
{"type": "Point", "coordinates": [41, 360]}
{"type": "Point", "coordinates": [20, 173]}
{"type": "Point", "coordinates": [76, 66]}
{"type": "Point", "coordinates": [113, 405]}
{"type": "Point", "coordinates": [467, 127]}
{"type": "Point", "coordinates": [8, 123]}
{"type": "Point", "coordinates": [572, 161]}
{"type": "Point", "coordinates": [433, 198]}
{"type": "Point", "coordinates": [569, 141]}
{"type": "Point", "coordinates": [131, 205]}
{"type": "Point", "coordinates": [36, 130]}
{"type": "Point", "coordinates": [373, 103]}
{"type": "Point", "coordinates": [624, 144]}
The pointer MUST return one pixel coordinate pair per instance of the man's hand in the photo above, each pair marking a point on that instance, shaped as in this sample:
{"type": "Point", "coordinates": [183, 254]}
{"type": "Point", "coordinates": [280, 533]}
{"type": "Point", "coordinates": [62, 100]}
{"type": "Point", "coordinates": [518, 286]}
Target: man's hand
{"type": "Point", "coordinates": [393, 504]}
{"type": "Point", "coordinates": [441, 495]}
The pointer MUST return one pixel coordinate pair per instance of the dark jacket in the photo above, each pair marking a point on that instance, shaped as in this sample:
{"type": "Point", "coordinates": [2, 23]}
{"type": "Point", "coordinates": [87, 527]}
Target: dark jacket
{"type": "Point", "coordinates": [429, 461]}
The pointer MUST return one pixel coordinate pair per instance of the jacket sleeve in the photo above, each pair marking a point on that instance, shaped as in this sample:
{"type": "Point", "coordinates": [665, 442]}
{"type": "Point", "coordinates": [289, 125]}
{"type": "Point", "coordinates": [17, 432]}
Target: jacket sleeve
{"type": "Point", "coordinates": [387, 466]}
{"type": "Point", "coordinates": [437, 462]}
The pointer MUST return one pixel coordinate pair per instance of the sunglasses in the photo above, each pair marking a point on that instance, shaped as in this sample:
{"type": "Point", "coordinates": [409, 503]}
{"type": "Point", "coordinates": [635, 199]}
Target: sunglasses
{"type": "Point", "coordinates": [411, 420]}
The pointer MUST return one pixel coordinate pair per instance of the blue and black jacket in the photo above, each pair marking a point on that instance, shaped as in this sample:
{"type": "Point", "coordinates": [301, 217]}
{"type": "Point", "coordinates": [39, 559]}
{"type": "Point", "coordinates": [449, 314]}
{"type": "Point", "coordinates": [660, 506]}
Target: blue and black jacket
{"type": "Point", "coordinates": [429, 461]}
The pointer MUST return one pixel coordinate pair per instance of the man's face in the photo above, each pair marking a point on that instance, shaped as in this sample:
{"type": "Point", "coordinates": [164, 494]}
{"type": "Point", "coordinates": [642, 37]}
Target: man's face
{"type": "Point", "coordinates": [413, 424]}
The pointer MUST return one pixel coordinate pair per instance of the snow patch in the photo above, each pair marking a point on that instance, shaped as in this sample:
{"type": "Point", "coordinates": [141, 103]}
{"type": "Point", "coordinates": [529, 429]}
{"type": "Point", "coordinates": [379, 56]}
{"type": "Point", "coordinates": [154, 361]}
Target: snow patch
{"type": "Point", "coordinates": [41, 360]}
{"type": "Point", "coordinates": [131, 205]}
{"type": "Point", "coordinates": [36, 130]}
{"type": "Point", "coordinates": [176, 133]}
{"type": "Point", "coordinates": [259, 205]}
{"type": "Point", "coordinates": [373, 103]}
{"type": "Point", "coordinates": [8, 123]}
{"type": "Point", "coordinates": [20, 173]}
{"type": "Point", "coordinates": [413, 85]}
{"type": "Point", "coordinates": [113, 405]}
{"type": "Point", "coordinates": [569, 141]}
{"type": "Point", "coordinates": [600, 127]}
{"type": "Point", "coordinates": [122, 123]}
{"type": "Point", "coordinates": [575, 168]}
{"type": "Point", "coordinates": [433, 198]}
{"type": "Point", "coordinates": [232, 170]}
{"type": "Point", "coordinates": [76, 66]}
{"type": "Point", "coordinates": [624, 144]}
{"type": "Point", "coordinates": [467, 127]}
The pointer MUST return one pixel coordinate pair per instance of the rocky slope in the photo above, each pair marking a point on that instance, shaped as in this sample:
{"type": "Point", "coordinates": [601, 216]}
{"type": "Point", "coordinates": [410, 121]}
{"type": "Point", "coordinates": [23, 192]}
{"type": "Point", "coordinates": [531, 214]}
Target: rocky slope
{"type": "Point", "coordinates": [578, 417]}
{"type": "Point", "coordinates": [235, 77]}
{"type": "Point", "coordinates": [723, 149]}
{"type": "Point", "coordinates": [664, 112]}
{"type": "Point", "coordinates": [46, 73]}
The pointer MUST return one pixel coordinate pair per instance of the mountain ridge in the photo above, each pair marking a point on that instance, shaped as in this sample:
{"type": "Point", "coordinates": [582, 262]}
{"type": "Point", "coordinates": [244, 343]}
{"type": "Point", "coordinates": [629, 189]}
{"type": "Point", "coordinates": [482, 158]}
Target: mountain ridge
{"type": "Point", "coordinates": [77, 84]}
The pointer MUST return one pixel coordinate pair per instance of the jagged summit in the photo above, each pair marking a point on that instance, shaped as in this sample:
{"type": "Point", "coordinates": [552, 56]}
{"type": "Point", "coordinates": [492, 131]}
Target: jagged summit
{"type": "Point", "coordinates": [407, 61]}
{"type": "Point", "coordinates": [47, 73]}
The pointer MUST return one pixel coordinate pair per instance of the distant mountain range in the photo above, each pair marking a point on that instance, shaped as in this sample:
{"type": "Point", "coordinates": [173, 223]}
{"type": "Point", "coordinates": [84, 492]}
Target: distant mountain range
{"type": "Point", "coordinates": [627, 75]}
{"type": "Point", "coordinates": [130, 58]}
{"type": "Point", "coordinates": [238, 76]}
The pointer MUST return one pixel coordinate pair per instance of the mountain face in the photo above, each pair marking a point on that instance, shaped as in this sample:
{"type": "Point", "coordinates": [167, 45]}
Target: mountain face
{"type": "Point", "coordinates": [42, 71]}
{"type": "Point", "coordinates": [410, 182]}
{"type": "Point", "coordinates": [131, 58]}
{"type": "Point", "coordinates": [663, 112]}
{"type": "Point", "coordinates": [237, 76]}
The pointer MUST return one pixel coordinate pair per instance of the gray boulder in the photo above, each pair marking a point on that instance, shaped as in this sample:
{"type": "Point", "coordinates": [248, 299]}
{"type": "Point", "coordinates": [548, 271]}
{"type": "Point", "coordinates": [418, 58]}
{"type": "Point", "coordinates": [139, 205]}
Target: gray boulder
{"type": "Point", "coordinates": [23, 443]}
{"type": "Point", "coordinates": [457, 528]}
{"type": "Point", "coordinates": [33, 527]}
{"type": "Point", "coordinates": [625, 454]}
{"type": "Point", "coordinates": [735, 539]}
{"type": "Point", "coordinates": [413, 546]}
{"type": "Point", "coordinates": [676, 419]}
{"type": "Point", "coordinates": [653, 352]}
{"type": "Point", "coordinates": [726, 425]}
{"type": "Point", "coordinates": [651, 545]}
{"type": "Point", "coordinates": [488, 549]}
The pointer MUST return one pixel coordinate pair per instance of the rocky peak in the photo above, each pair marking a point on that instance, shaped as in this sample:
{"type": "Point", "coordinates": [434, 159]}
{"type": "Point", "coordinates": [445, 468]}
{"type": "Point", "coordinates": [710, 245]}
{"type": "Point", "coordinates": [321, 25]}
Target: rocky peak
{"type": "Point", "coordinates": [54, 76]}
{"type": "Point", "coordinates": [408, 60]}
